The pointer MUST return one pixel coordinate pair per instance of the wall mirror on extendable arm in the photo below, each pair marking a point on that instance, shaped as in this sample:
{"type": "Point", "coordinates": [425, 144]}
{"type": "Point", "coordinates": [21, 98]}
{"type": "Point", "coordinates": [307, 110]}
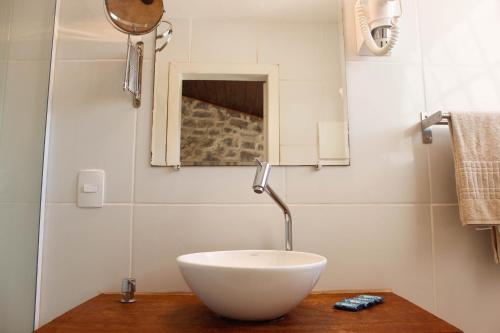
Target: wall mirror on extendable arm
{"type": "Point", "coordinates": [137, 18]}
{"type": "Point", "coordinates": [261, 79]}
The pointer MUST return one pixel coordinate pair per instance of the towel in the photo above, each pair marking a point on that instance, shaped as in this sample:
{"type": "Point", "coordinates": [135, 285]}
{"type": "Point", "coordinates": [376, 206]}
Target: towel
{"type": "Point", "coordinates": [476, 149]}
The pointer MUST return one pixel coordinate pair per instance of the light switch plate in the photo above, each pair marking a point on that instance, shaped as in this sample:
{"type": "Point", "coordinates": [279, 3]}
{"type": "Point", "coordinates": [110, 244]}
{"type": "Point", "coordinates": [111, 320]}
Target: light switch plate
{"type": "Point", "coordinates": [90, 188]}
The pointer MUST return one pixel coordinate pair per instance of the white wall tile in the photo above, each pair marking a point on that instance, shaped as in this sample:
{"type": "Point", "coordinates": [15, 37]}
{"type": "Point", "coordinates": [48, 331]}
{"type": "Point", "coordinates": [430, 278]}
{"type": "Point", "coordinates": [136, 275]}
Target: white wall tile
{"type": "Point", "coordinates": [22, 131]}
{"type": "Point", "coordinates": [264, 9]}
{"type": "Point", "coordinates": [305, 41]}
{"type": "Point", "coordinates": [5, 17]}
{"type": "Point", "coordinates": [76, 11]}
{"type": "Point", "coordinates": [86, 252]}
{"type": "Point", "coordinates": [303, 104]}
{"type": "Point", "coordinates": [388, 159]}
{"type": "Point", "coordinates": [442, 167]}
{"type": "Point", "coordinates": [31, 30]}
{"type": "Point", "coordinates": [466, 275]}
{"type": "Point", "coordinates": [3, 81]}
{"type": "Point", "coordinates": [18, 259]}
{"type": "Point", "coordinates": [85, 33]}
{"type": "Point", "coordinates": [200, 185]}
{"type": "Point", "coordinates": [462, 88]}
{"type": "Point", "coordinates": [460, 32]}
{"type": "Point", "coordinates": [77, 41]}
{"type": "Point", "coordinates": [223, 41]}
{"type": "Point", "coordinates": [179, 46]}
{"type": "Point", "coordinates": [162, 233]}
{"type": "Point", "coordinates": [332, 99]}
{"type": "Point", "coordinates": [300, 109]}
{"type": "Point", "coordinates": [299, 154]}
{"type": "Point", "coordinates": [93, 127]}
{"type": "Point", "coordinates": [370, 247]}
{"type": "Point", "coordinates": [333, 49]}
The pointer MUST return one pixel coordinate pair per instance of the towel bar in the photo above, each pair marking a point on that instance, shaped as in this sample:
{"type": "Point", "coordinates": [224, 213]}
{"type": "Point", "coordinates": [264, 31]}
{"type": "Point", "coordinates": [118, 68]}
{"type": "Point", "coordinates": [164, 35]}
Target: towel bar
{"type": "Point", "coordinates": [438, 118]}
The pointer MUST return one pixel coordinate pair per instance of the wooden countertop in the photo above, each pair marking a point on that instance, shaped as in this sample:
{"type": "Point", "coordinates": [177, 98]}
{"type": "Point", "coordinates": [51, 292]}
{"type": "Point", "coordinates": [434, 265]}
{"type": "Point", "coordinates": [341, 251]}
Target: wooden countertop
{"type": "Point", "coordinates": [185, 313]}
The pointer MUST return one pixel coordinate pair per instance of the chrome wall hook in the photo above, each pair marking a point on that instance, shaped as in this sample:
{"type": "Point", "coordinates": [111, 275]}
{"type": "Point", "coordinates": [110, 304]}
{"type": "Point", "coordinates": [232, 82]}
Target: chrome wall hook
{"type": "Point", "coordinates": [167, 35]}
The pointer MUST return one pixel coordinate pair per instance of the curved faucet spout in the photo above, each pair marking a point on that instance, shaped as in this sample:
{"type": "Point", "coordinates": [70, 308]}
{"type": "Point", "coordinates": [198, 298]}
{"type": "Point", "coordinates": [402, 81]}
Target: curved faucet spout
{"type": "Point", "coordinates": [260, 186]}
{"type": "Point", "coordinates": [288, 217]}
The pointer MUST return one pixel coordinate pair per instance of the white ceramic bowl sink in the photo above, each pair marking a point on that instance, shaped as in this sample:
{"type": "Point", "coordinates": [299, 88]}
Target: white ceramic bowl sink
{"type": "Point", "coordinates": [251, 285]}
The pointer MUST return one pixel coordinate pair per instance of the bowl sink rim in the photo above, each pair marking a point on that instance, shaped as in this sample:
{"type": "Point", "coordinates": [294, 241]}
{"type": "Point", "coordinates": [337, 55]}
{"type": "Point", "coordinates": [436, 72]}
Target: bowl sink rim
{"type": "Point", "coordinates": [320, 260]}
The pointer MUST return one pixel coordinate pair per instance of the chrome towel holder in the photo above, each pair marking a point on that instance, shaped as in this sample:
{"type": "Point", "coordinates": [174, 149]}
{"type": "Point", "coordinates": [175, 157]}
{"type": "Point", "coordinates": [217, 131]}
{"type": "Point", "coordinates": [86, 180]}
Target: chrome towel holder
{"type": "Point", "coordinates": [438, 118]}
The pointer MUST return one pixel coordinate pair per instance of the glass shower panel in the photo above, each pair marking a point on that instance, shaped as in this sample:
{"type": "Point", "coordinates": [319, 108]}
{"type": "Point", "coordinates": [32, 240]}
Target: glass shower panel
{"type": "Point", "coordinates": [26, 28]}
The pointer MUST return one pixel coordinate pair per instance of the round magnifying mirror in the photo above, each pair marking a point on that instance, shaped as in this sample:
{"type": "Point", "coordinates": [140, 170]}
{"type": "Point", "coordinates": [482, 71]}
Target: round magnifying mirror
{"type": "Point", "coordinates": [135, 17]}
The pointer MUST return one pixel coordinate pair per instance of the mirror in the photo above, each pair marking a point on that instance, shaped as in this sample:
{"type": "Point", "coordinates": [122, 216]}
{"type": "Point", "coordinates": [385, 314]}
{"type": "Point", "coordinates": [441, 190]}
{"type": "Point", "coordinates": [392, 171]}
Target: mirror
{"type": "Point", "coordinates": [260, 78]}
{"type": "Point", "coordinates": [136, 17]}
{"type": "Point", "coordinates": [222, 122]}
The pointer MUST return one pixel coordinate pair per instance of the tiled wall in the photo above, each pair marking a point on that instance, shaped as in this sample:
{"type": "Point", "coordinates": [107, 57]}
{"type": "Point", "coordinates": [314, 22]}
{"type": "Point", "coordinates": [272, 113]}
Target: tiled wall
{"type": "Point", "coordinates": [387, 221]}
{"type": "Point", "coordinates": [25, 50]}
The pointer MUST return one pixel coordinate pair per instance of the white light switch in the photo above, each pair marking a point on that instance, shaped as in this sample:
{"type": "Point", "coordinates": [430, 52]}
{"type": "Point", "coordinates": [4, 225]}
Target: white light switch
{"type": "Point", "coordinates": [90, 188]}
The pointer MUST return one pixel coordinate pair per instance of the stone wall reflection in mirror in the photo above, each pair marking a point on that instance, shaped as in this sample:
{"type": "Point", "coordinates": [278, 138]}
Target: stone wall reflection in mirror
{"type": "Point", "coordinates": [222, 122]}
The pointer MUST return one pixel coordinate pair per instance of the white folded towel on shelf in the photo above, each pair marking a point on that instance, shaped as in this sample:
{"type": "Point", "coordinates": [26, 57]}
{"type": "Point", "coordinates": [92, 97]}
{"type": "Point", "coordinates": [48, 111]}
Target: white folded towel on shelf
{"type": "Point", "coordinates": [476, 149]}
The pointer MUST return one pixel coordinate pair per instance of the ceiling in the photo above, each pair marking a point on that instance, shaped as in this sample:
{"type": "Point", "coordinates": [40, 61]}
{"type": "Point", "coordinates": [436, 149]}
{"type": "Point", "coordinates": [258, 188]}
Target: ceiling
{"type": "Point", "coordinates": [287, 10]}
{"type": "Point", "coordinates": [243, 96]}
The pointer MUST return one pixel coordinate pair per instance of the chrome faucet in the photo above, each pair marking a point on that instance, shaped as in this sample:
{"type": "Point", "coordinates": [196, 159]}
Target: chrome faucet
{"type": "Point", "coordinates": [260, 186]}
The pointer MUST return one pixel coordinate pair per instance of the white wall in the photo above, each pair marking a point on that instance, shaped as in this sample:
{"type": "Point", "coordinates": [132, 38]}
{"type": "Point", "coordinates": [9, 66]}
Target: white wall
{"type": "Point", "coordinates": [26, 28]}
{"type": "Point", "coordinates": [387, 221]}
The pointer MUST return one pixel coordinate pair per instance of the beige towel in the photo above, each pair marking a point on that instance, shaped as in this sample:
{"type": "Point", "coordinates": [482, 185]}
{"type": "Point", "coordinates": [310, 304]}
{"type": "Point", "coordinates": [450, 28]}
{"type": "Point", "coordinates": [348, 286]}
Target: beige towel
{"type": "Point", "coordinates": [476, 148]}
